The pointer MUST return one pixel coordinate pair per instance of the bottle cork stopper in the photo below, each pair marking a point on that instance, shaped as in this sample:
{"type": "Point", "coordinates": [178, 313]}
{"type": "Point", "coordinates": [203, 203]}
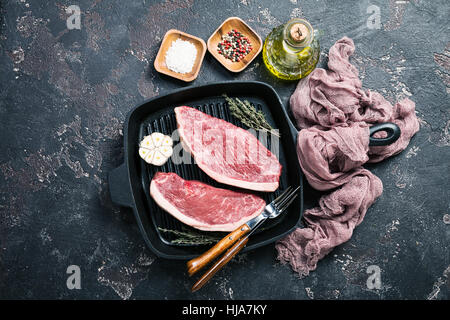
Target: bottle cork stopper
{"type": "Point", "coordinates": [299, 32]}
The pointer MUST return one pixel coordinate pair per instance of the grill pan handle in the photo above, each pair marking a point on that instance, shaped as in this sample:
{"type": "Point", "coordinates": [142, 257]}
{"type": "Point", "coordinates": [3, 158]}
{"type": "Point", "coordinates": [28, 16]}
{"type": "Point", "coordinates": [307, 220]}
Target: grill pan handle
{"type": "Point", "coordinates": [392, 130]}
{"type": "Point", "coordinates": [119, 186]}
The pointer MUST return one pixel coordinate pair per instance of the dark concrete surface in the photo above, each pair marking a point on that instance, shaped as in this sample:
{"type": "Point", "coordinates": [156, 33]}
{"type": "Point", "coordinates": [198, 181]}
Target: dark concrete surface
{"type": "Point", "coordinates": [64, 95]}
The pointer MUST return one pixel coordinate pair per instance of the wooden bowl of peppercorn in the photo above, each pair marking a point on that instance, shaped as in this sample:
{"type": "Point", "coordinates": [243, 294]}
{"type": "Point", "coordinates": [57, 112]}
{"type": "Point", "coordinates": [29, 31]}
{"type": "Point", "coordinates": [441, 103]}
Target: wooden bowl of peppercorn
{"type": "Point", "coordinates": [234, 44]}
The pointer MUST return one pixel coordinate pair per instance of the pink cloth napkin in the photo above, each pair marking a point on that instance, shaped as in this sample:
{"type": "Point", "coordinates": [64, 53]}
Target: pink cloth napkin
{"type": "Point", "coordinates": [334, 114]}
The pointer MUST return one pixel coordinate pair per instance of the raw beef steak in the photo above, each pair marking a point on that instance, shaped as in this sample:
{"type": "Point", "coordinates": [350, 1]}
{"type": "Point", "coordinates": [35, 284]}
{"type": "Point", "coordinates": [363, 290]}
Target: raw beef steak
{"type": "Point", "coordinates": [227, 153]}
{"type": "Point", "coordinates": [203, 206]}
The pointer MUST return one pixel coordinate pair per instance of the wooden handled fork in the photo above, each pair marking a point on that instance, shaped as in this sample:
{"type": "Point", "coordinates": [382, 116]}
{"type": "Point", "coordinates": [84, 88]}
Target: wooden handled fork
{"type": "Point", "coordinates": [272, 210]}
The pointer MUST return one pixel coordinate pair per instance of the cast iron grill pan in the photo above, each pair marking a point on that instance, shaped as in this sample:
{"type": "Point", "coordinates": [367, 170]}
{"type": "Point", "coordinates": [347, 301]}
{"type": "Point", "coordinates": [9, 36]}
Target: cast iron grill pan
{"type": "Point", "coordinates": [129, 184]}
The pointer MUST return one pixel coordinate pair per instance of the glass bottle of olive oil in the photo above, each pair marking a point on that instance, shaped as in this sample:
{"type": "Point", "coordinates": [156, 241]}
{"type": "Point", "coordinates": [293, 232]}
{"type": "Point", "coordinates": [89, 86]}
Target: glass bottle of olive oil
{"type": "Point", "coordinates": [291, 51]}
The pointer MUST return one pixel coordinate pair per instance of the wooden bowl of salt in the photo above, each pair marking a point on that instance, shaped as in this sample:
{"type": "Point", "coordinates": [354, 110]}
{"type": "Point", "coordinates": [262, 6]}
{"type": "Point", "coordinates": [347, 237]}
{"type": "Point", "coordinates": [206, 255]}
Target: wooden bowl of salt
{"type": "Point", "coordinates": [180, 55]}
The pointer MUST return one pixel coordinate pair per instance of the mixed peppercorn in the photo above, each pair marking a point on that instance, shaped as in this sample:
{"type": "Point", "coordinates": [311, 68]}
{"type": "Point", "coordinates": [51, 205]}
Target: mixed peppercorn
{"type": "Point", "coordinates": [234, 46]}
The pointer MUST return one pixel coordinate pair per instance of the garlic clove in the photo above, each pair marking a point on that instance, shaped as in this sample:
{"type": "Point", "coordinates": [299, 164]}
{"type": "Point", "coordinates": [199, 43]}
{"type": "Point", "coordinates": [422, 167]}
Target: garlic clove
{"type": "Point", "coordinates": [158, 159]}
{"type": "Point", "coordinates": [150, 156]}
{"type": "Point", "coordinates": [157, 138]}
{"type": "Point", "coordinates": [147, 143]}
{"type": "Point", "coordinates": [166, 151]}
{"type": "Point", "coordinates": [146, 154]}
{"type": "Point", "coordinates": [167, 141]}
{"type": "Point", "coordinates": [143, 152]}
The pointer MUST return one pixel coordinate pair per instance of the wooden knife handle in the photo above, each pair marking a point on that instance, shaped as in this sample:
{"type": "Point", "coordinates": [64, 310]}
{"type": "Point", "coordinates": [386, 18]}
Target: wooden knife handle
{"type": "Point", "coordinates": [220, 263]}
{"type": "Point", "coordinates": [196, 264]}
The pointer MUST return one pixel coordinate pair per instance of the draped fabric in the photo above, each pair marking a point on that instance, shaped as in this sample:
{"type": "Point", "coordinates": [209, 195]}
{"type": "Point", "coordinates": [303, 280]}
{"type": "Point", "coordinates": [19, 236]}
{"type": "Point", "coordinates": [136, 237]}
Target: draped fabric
{"type": "Point", "coordinates": [334, 114]}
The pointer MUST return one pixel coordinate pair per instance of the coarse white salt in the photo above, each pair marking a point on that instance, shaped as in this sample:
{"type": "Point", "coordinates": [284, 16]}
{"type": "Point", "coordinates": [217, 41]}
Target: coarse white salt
{"type": "Point", "coordinates": [181, 56]}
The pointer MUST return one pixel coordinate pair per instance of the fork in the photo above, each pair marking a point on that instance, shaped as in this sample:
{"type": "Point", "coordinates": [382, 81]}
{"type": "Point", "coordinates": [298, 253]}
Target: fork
{"type": "Point", "coordinates": [236, 237]}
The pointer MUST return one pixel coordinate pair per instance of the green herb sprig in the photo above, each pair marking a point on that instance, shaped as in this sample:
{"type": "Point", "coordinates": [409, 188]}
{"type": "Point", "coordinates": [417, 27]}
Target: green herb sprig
{"type": "Point", "coordinates": [249, 116]}
{"type": "Point", "coordinates": [189, 237]}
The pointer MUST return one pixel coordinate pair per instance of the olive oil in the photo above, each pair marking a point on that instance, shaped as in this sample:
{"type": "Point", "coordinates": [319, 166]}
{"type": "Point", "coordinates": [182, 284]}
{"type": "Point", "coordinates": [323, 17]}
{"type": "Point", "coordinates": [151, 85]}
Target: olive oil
{"type": "Point", "coordinates": [291, 51]}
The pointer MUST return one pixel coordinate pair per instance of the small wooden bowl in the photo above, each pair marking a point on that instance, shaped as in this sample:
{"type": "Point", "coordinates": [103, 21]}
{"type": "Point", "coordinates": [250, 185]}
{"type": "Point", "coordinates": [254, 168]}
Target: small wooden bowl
{"type": "Point", "coordinates": [228, 25]}
{"type": "Point", "coordinates": [173, 35]}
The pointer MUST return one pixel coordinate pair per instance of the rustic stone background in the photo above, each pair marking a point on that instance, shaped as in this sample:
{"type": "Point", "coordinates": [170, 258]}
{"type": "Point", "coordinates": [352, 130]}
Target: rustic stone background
{"type": "Point", "coordinates": [64, 95]}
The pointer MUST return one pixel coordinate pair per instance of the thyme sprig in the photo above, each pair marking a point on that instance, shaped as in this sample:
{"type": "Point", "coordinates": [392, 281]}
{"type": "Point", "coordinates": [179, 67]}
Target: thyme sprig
{"type": "Point", "coordinates": [249, 116]}
{"type": "Point", "coordinates": [190, 237]}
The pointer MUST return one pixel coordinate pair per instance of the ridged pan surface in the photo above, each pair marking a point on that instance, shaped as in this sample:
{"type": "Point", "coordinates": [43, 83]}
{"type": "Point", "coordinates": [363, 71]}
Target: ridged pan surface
{"type": "Point", "coordinates": [157, 115]}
